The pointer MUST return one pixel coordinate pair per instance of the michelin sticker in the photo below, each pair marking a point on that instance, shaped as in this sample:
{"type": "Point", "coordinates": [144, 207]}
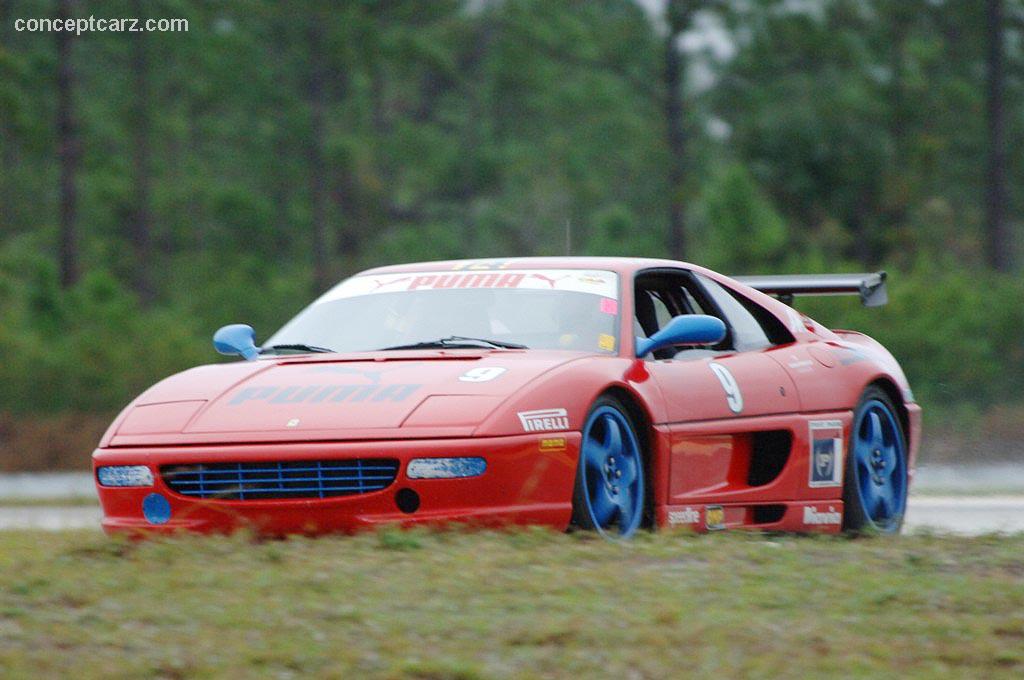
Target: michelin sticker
{"type": "Point", "coordinates": [826, 459]}
{"type": "Point", "coordinates": [544, 420]}
{"type": "Point", "coordinates": [815, 517]}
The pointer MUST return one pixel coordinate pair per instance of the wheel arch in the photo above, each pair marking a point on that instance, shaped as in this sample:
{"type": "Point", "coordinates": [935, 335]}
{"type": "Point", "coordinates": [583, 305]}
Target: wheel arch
{"type": "Point", "coordinates": [636, 409]}
{"type": "Point", "coordinates": [645, 431]}
{"type": "Point", "coordinates": [893, 392]}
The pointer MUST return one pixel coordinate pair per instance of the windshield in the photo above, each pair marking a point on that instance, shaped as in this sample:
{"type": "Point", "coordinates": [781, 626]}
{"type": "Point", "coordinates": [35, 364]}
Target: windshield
{"type": "Point", "coordinates": [541, 309]}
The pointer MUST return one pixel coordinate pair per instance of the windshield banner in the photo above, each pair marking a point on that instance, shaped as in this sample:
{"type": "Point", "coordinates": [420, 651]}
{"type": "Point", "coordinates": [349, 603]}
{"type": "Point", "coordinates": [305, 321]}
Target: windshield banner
{"type": "Point", "coordinates": [601, 283]}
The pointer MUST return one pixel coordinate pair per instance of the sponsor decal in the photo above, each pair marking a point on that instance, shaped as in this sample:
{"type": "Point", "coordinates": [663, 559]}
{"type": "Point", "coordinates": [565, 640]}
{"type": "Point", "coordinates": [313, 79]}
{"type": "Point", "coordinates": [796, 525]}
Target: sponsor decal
{"type": "Point", "coordinates": [606, 342]}
{"type": "Point", "coordinates": [609, 306]}
{"type": "Point", "coordinates": [553, 444]}
{"type": "Point", "coordinates": [733, 396]}
{"type": "Point", "coordinates": [685, 516]}
{"type": "Point", "coordinates": [714, 517]}
{"type": "Point", "coordinates": [482, 374]}
{"type": "Point", "coordinates": [294, 422]}
{"type": "Point", "coordinates": [813, 516]}
{"type": "Point", "coordinates": [544, 419]}
{"type": "Point", "coordinates": [476, 280]}
{"type": "Point", "coordinates": [595, 278]}
{"type": "Point", "coordinates": [603, 284]}
{"type": "Point", "coordinates": [315, 394]}
{"type": "Point", "coordinates": [826, 454]}
{"type": "Point", "coordinates": [550, 280]}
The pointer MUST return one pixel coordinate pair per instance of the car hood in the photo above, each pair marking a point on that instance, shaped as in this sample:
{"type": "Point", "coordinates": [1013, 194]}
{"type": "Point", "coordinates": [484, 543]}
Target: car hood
{"type": "Point", "coordinates": [332, 397]}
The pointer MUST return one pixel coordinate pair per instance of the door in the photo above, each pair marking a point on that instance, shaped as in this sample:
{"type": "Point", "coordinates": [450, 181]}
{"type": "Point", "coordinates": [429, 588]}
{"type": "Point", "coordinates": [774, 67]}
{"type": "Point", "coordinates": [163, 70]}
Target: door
{"type": "Point", "coordinates": [725, 404]}
{"type": "Point", "coordinates": [736, 379]}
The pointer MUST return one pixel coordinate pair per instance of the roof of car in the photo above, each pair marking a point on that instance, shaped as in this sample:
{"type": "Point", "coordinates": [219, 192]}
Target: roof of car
{"type": "Point", "coordinates": [616, 264]}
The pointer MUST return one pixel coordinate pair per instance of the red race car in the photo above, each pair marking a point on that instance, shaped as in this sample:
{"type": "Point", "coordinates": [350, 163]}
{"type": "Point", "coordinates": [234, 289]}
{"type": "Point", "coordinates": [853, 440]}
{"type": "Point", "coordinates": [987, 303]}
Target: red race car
{"type": "Point", "coordinates": [603, 393]}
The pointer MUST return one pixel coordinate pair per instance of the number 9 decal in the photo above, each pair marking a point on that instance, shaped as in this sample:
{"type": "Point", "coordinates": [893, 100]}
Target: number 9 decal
{"type": "Point", "coordinates": [482, 374]}
{"type": "Point", "coordinates": [733, 397]}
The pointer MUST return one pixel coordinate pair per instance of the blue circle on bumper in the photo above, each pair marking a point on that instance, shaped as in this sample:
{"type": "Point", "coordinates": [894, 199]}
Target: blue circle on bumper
{"type": "Point", "coordinates": [156, 509]}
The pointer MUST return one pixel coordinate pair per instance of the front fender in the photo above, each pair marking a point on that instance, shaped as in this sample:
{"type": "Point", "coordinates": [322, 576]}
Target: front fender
{"type": "Point", "coordinates": [560, 399]}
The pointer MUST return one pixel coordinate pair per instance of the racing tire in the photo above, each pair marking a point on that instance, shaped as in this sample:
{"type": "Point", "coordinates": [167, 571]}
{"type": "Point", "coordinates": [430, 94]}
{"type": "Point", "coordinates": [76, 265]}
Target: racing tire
{"type": "Point", "coordinates": [875, 482]}
{"type": "Point", "coordinates": [610, 494]}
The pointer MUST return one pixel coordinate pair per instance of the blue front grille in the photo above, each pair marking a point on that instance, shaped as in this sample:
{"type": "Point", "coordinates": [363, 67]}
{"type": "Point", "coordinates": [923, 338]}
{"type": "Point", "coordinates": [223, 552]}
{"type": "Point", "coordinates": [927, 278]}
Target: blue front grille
{"type": "Point", "coordinates": [290, 479]}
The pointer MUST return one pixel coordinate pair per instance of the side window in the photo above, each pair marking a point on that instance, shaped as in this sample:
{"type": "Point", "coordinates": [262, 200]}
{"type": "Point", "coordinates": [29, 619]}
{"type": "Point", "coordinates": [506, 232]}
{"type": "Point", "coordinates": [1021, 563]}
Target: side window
{"type": "Point", "coordinates": [695, 306]}
{"type": "Point", "coordinates": [662, 295]}
{"type": "Point", "coordinates": [651, 311]}
{"type": "Point", "coordinates": [747, 333]}
{"type": "Point", "coordinates": [661, 312]}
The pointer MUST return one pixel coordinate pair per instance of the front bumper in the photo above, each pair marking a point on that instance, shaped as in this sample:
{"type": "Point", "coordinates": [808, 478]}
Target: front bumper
{"type": "Point", "coordinates": [529, 480]}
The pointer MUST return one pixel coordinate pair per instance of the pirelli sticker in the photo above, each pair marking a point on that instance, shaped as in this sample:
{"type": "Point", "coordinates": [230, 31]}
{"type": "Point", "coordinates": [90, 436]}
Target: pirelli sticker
{"type": "Point", "coordinates": [826, 454]}
{"type": "Point", "coordinates": [544, 420]}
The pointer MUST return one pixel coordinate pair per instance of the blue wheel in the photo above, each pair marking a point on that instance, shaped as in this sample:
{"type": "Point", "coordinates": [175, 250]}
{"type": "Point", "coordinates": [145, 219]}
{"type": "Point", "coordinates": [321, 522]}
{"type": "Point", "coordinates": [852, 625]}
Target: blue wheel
{"type": "Point", "coordinates": [610, 491]}
{"type": "Point", "coordinates": [875, 488]}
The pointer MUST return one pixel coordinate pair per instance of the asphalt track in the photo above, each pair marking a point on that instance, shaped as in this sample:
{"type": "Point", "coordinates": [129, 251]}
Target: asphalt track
{"type": "Point", "coordinates": [942, 514]}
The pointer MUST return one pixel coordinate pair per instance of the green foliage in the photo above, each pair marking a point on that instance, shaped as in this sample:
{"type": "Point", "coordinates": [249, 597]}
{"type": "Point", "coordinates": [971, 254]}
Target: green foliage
{"type": "Point", "coordinates": [847, 135]}
{"type": "Point", "coordinates": [90, 348]}
{"type": "Point", "coordinates": [957, 334]}
{"type": "Point", "coordinates": [616, 230]}
{"type": "Point", "coordinates": [745, 233]}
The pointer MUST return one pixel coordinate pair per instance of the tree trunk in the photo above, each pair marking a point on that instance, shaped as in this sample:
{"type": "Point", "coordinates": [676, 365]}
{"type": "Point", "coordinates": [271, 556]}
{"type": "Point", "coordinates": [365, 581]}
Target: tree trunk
{"type": "Point", "coordinates": [68, 151]}
{"type": "Point", "coordinates": [676, 135]}
{"type": "Point", "coordinates": [140, 225]}
{"type": "Point", "coordinates": [997, 237]}
{"type": "Point", "coordinates": [315, 156]}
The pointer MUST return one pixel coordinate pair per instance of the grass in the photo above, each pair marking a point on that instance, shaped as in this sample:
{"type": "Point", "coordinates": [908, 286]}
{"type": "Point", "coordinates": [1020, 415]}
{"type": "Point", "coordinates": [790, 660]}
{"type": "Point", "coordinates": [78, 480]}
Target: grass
{"type": "Point", "coordinates": [511, 604]}
{"type": "Point", "coordinates": [57, 501]}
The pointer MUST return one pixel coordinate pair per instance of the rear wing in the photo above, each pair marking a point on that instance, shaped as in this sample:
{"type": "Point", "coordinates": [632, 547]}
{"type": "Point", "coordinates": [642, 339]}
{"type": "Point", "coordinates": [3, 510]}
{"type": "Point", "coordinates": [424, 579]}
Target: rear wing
{"type": "Point", "coordinates": [870, 287]}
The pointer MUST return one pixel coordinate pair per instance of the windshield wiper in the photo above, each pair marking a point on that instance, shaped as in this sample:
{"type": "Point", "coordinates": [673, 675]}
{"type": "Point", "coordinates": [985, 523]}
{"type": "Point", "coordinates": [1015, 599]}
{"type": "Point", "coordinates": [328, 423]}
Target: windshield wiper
{"type": "Point", "coordinates": [298, 347]}
{"type": "Point", "coordinates": [458, 341]}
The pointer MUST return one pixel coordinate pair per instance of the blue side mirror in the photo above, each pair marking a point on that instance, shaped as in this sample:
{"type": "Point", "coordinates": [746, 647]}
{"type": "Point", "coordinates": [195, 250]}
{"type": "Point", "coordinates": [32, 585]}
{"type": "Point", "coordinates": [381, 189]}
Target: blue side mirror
{"type": "Point", "coordinates": [237, 338]}
{"type": "Point", "coordinates": [688, 329]}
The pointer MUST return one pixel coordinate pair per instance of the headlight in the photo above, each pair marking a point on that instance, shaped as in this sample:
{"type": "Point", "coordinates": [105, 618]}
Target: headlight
{"type": "Point", "coordinates": [124, 475]}
{"type": "Point", "coordinates": [445, 468]}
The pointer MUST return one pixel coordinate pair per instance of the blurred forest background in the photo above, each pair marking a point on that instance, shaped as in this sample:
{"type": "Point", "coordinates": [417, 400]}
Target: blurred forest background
{"type": "Point", "coordinates": [154, 186]}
